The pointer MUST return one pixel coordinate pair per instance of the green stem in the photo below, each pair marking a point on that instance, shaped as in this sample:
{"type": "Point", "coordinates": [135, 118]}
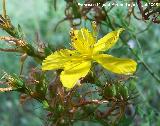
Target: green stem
{"type": "Point", "coordinates": [4, 9]}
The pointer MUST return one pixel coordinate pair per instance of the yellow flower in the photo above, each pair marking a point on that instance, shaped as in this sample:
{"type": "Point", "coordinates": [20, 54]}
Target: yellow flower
{"type": "Point", "coordinates": [77, 63]}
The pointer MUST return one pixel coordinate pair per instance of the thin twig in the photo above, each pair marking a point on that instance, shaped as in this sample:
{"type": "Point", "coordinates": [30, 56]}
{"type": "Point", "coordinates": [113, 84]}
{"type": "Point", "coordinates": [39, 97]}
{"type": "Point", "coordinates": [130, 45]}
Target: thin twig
{"type": "Point", "coordinates": [91, 102]}
{"type": "Point", "coordinates": [1, 82]}
{"type": "Point", "coordinates": [4, 9]}
{"type": "Point", "coordinates": [6, 89]}
{"type": "Point", "coordinates": [9, 50]}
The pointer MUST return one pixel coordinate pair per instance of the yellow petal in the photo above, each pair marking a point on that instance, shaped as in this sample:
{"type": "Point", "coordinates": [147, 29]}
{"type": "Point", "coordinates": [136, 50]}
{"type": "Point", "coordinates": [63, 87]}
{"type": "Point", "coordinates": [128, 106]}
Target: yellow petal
{"type": "Point", "coordinates": [59, 58]}
{"type": "Point", "coordinates": [82, 40]}
{"type": "Point", "coordinates": [116, 65]}
{"type": "Point", "coordinates": [73, 72]}
{"type": "Point", "coordinates": [107, 41]}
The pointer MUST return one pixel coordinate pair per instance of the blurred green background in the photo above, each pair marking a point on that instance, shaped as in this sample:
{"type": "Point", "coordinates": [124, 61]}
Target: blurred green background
{"type": "Point", "coordinates": [39, 16]}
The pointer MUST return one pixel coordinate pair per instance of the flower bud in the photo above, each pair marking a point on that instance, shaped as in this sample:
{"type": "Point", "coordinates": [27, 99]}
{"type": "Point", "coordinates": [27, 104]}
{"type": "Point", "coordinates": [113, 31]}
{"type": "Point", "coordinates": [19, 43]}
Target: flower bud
{"type": "Point", "coordinates": [109, 91]}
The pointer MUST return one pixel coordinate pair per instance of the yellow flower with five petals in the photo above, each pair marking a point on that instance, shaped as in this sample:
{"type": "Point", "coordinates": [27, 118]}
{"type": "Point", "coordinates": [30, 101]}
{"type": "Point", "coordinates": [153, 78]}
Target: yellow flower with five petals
{"type": "Point", "coordinates": [77, 63]}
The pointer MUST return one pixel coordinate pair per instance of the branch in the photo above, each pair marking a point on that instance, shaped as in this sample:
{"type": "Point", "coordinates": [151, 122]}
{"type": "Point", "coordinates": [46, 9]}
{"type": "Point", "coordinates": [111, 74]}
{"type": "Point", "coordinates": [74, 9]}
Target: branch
{"type": "Point", "coordinates": [90, 102]}
{"type": "Point", "coordinates": [9, 50]}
